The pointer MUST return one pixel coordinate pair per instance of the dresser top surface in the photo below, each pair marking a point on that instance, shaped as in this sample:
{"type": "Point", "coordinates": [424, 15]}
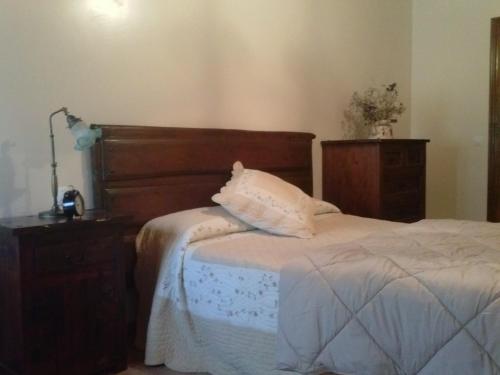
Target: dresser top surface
{"type": "Point", "coordinates": [34, 224]}
{"type": "Point", "coordinates": [373, 141]}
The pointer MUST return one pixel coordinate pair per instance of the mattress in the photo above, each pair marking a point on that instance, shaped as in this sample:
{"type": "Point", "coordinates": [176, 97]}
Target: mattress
{"type": "Point", "coordinates": [215, 300]}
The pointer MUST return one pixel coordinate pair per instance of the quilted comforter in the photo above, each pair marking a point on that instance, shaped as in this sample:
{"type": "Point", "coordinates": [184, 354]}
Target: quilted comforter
{"type": "Point", "coordinates": [424, 299]}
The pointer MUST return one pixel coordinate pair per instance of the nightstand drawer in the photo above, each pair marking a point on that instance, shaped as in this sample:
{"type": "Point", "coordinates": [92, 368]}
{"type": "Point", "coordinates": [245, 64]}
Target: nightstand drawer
{"type": "Point", "coordinates": [68, 256]}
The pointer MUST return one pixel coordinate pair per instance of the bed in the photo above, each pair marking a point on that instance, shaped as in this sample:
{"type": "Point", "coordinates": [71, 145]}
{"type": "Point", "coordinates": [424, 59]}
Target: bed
{"type": "Point", "coordinates": [213, 282]}
{"type": "Point", "coordinates": [144, 172]}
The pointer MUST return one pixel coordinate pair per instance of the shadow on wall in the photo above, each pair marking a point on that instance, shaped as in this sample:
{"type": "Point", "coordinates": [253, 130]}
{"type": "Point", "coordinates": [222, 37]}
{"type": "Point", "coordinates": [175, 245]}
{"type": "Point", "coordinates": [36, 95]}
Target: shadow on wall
{"type": "Point", "coordinates": [8, 191]}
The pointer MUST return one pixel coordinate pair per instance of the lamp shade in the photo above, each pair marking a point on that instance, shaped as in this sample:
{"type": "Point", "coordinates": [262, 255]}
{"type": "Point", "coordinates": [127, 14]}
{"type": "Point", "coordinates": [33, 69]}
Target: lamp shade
{"type": "Point", "coordinates": [84, 136]}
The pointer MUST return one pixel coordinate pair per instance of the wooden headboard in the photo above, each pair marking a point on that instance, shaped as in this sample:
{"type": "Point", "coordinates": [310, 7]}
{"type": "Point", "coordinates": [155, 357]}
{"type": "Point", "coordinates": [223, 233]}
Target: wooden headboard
{"type": "Point", "coordinates": [147, 172]}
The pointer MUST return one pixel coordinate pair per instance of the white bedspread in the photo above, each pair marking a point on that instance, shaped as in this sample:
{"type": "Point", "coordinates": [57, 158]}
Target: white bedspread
{"type": "Point", "coordinates": [423, 299]}
{"type": "Point", "coordinates": [200, 274]}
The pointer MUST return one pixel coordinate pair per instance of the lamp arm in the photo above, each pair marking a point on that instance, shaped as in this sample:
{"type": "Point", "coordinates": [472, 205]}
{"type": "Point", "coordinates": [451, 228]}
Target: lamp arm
{"type": "Point", "coordinates": [54, 183]}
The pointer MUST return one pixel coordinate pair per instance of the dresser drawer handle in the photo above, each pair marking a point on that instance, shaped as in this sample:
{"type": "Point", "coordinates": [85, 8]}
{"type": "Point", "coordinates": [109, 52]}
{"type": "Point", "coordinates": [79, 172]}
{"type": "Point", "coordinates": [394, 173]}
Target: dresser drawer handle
{"type": "Point", "coordinates": [393, 158]}
{"type": "Point", "coordinates": [404, 185]}
{"type": "Point", "coordinates": [109, 291]}
{"type": "Point", "coordinates": [74, 260]}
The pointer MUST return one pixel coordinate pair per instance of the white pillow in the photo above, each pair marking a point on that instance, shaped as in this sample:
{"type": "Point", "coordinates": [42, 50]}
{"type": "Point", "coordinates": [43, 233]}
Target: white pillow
{"type": "Point", "coordinates": [323, 207]}
{"type": "Point", "coordinates": [267, 202]}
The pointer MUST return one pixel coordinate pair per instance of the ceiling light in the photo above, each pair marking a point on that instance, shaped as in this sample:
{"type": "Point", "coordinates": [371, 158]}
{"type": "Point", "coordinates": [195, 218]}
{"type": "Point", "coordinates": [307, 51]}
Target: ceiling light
{"type": "Point", "coordinates": [109, 8]}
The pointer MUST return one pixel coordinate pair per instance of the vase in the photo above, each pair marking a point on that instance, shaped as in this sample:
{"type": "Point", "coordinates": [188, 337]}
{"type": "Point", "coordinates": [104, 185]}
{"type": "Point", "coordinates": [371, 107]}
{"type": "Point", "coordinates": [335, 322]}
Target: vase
{"type": "Point", "coordinates": [381, 130]}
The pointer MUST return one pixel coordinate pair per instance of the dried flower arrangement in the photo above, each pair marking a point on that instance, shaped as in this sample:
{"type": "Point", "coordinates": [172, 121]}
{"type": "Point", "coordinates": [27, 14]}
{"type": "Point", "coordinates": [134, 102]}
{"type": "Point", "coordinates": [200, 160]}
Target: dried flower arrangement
{"type": "Point", "coordinates": [372, 106]}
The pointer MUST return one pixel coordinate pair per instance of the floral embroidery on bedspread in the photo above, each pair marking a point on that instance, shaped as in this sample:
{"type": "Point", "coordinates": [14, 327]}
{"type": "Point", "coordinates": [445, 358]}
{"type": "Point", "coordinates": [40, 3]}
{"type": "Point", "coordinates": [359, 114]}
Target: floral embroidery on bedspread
{"type": "Point", "coordinates": [241, 296]}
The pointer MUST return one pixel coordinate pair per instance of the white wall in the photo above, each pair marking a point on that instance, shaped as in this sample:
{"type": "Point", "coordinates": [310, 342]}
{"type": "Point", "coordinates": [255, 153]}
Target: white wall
{"type": "Point", "coordinates": [260, 64]}
{"type": "Point", "coordinates": [450, 96]}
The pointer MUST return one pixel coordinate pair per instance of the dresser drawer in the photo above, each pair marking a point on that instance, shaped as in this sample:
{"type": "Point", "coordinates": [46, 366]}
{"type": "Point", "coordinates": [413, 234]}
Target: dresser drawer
{"type": "Point", "coordinates": [402, 180]}
{"type": "Point", "coordinates": [395, 156]}
{"type": "Point", "coordinates": [402, 206]}
{"type": "Point", "coordinates": [69, 255]}
{"type": "Point", "coordinates": [415, 155]}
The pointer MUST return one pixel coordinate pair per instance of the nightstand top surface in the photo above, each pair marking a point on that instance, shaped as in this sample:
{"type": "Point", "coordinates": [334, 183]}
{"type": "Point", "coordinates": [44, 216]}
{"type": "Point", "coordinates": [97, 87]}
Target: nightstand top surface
{"type": "Point", "coordinates": [34, 224]}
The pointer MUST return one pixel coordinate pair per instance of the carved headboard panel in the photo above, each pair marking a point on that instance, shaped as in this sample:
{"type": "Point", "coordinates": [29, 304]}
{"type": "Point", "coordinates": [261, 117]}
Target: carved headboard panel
{"type": "Point", "coordinates": [147, 172]}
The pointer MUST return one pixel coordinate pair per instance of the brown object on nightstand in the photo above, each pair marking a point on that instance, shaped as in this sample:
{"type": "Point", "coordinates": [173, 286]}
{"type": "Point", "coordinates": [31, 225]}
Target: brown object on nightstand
{"type": "Point", "coordinates": [62, 295]}
{"type": "Point", "coordinates": [378, 178]}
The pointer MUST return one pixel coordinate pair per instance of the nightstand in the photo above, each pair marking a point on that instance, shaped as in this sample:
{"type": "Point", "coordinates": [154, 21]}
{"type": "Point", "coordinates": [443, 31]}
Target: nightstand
{"type": "Point", "coordinates": [62, 295]}
{"type": "Point", "coordinates": [377, 178]}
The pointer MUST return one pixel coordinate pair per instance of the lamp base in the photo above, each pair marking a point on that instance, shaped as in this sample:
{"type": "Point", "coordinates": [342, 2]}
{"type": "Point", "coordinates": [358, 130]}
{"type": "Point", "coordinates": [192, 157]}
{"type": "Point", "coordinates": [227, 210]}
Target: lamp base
{"type": "Point", "coordinates": [53, 213]}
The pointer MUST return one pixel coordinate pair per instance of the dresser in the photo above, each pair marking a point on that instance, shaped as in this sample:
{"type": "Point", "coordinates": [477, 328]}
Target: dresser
{"type": "Point", "coordinates": [377, 178]}
{"type": "Point", "coordinates": [62, 295]}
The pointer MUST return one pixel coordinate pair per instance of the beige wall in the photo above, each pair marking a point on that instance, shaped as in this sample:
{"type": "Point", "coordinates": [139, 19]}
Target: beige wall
{"type": "Point", "coordinates": [260, 64]}
{"type": "Point", "coordinates": [450, 88]}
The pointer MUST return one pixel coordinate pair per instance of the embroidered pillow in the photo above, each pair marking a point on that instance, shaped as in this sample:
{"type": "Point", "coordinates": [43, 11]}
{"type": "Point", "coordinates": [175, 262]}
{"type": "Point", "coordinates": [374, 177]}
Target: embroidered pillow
{"type": "Point", "coordinates": [322, 207]}
{"type": "Point", "coordinates": [267, 202]}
